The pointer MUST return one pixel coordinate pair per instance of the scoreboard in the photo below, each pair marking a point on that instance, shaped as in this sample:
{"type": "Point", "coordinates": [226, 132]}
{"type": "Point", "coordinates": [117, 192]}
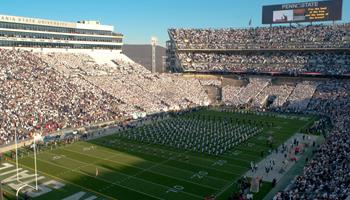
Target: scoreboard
{"type": "Point", "coordinates": [330, 10]}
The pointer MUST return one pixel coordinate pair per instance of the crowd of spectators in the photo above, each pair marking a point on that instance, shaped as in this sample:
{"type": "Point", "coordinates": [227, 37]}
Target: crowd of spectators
{"type": "Point", "coordinates": [152, 93]}
{"type": "Point", "coordinates": [230, 95]}
{"type": "Point", "coordinates": [139, 91]}
{"type": "Point", "coordinates": [333, 63]}
{"type": "Point", "coordinates": [210, 82]}
{"type": "Point", "coordinates": [327, 175]}
{"type": "Point", "coordinates": [315, 36]}
{"type": "Point", "coordinates": [293, 97]}
{"type": "Point", "coordinates": [279, 94]}
{"type": "Point", "coordinates": [34, 97]}
{"type": "Point", "coordinates": [301, 96]}
{"type": "Point", "coordinates": [50, 92]}
{"type": "Point", "coordinates": [238, 96]}
{"type": "Point", "coordinates": [255, 49]}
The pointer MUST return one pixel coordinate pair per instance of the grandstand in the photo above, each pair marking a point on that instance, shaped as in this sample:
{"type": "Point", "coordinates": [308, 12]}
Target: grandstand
{"type": "Point", "coordinates": [225, 127]}
{"type": "Point", "coordinates": [319, 50]}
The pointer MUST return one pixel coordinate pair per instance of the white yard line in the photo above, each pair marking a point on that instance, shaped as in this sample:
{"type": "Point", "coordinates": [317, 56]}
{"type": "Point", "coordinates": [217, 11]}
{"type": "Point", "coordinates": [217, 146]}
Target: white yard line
{"type": "Point", "coordinates": [148, 169]}
{"type": "Point", "coordinates": [175, 167]}
{"type": "Point", "coordinates": [71, 183]}
{"type": "Point", "coordinates": [201, 166]}
{"type": "Point", "coordinates": [129, 176]}
{"type": "Point", "coordinates": [224, 189]}
{"type": "Point", "coordinates": [109, 182]}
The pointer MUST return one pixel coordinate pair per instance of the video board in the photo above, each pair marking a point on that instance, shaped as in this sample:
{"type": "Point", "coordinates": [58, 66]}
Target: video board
{"type": "Point", "coordinates": [330, 10]}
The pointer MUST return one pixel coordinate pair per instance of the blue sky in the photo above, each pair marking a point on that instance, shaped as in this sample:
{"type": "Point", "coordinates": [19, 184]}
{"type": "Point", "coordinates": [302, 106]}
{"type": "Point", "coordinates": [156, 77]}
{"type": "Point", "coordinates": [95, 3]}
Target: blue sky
{"type": "Point", "coordinates": [138, 20]}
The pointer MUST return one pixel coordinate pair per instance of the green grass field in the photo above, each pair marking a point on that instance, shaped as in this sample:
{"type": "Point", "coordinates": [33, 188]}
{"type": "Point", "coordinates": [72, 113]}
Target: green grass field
{"type": "Point", "coordinates": [128, 169]}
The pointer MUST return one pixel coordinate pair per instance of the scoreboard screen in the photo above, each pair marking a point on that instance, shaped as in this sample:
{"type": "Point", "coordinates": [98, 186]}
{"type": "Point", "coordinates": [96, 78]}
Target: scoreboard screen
{"type": "Point", "coordinates": [330, 10]}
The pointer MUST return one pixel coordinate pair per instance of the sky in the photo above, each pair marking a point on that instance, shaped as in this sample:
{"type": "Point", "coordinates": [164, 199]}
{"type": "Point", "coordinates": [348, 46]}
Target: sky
{"type": "Point", "coordinates": [139, 20]}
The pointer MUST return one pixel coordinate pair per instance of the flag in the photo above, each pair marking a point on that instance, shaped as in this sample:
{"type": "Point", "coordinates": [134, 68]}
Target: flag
{"type": "Point", "coordinates": [250, 22]}
{"type": "Point", "coordinates": [96, 171]}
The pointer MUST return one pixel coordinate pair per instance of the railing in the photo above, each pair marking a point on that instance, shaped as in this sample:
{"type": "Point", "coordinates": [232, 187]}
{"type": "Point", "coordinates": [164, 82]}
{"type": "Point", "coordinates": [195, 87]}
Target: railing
{"type": "Point", "coordinates": [343, 68]}
{"type": "Point", "coordinates": [264, 46]}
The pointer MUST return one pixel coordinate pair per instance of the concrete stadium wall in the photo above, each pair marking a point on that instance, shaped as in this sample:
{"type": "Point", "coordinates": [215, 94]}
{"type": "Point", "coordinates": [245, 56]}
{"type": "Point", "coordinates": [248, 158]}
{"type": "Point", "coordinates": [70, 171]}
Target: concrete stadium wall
{"type": "Point", "coordinates": [65, 50]}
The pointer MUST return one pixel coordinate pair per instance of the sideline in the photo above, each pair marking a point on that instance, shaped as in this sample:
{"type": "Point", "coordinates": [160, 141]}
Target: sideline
{"type": "Point", "coordinates": [296, 170]}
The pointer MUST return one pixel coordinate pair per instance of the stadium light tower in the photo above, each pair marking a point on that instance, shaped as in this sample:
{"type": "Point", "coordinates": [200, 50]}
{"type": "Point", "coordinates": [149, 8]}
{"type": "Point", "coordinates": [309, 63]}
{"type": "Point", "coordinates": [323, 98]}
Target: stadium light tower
{"type": "Point", "coordinates": [154, 41]}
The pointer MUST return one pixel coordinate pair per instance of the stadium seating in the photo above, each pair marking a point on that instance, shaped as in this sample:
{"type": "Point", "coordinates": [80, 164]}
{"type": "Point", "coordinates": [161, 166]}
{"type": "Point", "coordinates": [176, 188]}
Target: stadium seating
{"type": "Point", "coordinates": [277, 49]}
{"type": "Point", "coordinates": [35, 97]}
{"type": "Point", "coordinates": [46, 93]}
{"type": "Point", "coordinates": [49, 92]}
{"type": "Point", "coordinates": [282, 62]}
{"type": "Point", "coordinates": [279, 37]}
{"type": "Point", "coordinates": [327, 175]}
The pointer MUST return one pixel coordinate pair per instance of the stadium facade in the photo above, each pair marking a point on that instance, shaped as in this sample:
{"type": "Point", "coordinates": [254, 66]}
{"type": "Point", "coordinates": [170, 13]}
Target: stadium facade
{"type": "Point", "coordinates": [56, 36]}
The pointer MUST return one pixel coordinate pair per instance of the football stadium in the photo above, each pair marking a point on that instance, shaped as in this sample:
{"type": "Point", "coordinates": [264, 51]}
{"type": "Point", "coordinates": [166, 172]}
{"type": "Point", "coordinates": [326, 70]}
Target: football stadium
{"type": "Point", "coordinates": [236, 113]}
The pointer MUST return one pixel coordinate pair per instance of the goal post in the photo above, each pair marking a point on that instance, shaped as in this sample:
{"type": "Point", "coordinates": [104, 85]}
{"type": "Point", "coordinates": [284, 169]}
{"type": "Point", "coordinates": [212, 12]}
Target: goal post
{"type": "Point", "coordinates": [36, 137]}
{"type": "Point", "coordinates": [1, 193]}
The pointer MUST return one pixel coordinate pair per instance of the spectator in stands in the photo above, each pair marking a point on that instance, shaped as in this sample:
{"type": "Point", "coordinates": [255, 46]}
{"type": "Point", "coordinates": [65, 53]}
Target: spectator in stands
{"type": "Point", "coordinates": [46, 93]}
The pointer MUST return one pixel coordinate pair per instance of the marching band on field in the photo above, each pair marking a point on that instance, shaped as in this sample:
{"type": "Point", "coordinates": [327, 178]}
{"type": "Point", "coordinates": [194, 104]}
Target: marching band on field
{"type": "Point", "coordinates": [199, 134]}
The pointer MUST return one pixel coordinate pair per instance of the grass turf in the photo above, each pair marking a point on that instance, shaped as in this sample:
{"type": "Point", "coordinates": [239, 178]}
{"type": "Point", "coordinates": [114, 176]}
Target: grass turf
{"type": "Point", "coordinates": [133, 170]}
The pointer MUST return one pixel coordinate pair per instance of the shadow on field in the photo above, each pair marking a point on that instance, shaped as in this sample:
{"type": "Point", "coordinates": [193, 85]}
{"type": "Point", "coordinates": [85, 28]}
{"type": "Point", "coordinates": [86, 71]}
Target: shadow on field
{"type": "Point", "coordinates": [132, 170]}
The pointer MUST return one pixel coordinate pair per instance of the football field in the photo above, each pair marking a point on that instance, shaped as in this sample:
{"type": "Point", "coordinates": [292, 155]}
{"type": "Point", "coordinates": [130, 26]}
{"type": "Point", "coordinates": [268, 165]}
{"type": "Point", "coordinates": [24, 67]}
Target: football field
{"type": "Point", "coordinates": [117, 167]}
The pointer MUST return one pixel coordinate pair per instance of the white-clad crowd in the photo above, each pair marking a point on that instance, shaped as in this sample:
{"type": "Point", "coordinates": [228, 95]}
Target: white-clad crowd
{"type": "Point", "coordinates": [295, 62]}
{"type": "Point", "coordinates": [239, 96]}
{"type": "Point", "coordinates": [210, 82]}
{"type": "Point", "coordinates": [49, 92]}
{"type": "Point", "coordinates": [314, 36]}
{"type": "Point", "coordinates": [301, 96]}
{"type": "Point", "coordinates": [279, 94]}
{"type": "Point", "coordinates": [264, 49]}
{"type": "Point", "coordinates": [136, 89]}
{"type": "Point", "coordinates": [35, 97]}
